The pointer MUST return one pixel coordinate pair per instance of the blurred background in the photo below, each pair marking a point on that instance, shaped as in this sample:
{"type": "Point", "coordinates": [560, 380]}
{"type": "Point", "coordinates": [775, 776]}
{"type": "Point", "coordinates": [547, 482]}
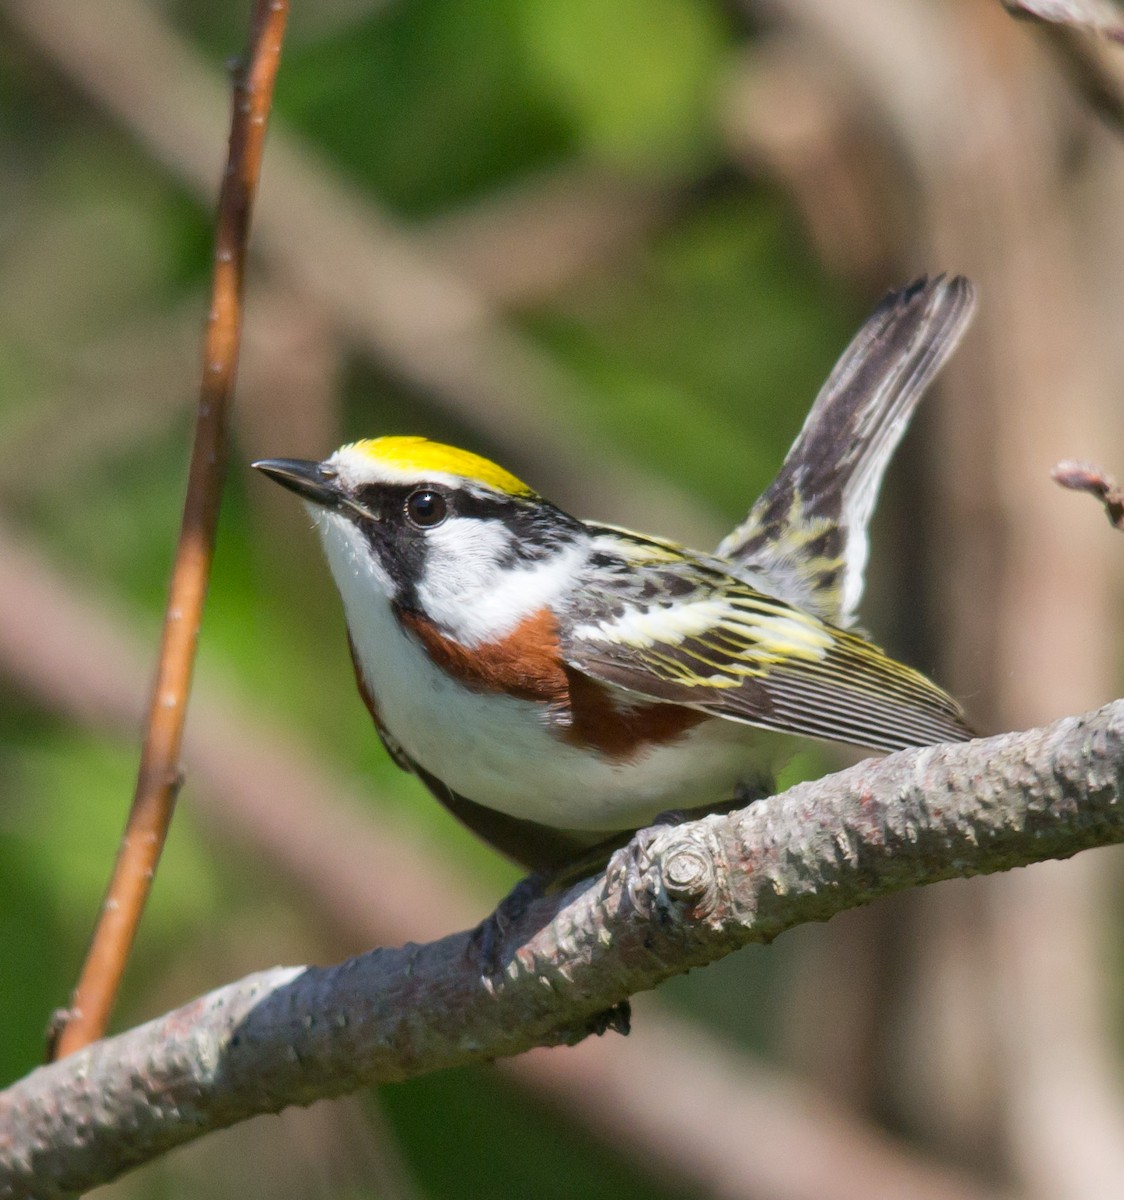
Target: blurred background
{"type": "Point", "coordinates": [618, 246]}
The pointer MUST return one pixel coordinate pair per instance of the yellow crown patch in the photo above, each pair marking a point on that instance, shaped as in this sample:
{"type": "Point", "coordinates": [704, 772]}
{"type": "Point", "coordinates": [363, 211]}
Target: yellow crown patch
{"type": "Point", "coordinates": [418, 455]}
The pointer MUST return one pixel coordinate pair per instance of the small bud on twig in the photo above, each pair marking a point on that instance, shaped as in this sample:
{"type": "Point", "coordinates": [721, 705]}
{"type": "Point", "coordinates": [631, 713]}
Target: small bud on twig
{"type": "Point", "coordinates": [1087, 477]}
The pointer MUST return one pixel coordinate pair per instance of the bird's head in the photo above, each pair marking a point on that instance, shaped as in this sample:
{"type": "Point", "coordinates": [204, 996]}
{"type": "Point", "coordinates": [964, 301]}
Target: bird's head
{"type": "Point", "coordinates": [433, 527]}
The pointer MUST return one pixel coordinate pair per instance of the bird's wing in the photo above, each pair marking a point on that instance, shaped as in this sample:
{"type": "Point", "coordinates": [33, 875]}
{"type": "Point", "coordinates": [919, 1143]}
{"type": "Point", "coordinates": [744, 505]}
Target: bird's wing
{"type": "Point", "coordinates": [807, 534]}
{"type": "Point", "coordinates": [699, 638]}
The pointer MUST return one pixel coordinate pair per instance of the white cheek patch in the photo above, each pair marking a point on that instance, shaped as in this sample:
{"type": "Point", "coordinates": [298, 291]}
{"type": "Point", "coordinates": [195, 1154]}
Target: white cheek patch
{"type": "Point", "coordinates": [463, 588]}
{"type": "Point", "coordinates": [462, 555]}
{"type": "Point", "coordinates": [466, 590]}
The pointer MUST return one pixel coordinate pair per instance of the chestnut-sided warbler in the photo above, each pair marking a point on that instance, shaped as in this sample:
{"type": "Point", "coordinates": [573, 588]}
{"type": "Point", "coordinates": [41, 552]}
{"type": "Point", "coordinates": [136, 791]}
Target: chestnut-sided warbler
{"type": "Point", "coordinates": [558, 682]}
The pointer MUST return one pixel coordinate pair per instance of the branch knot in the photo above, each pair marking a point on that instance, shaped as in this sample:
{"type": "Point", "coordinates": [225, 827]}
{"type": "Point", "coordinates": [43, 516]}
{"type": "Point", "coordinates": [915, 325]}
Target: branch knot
{"type": "Point", "coordinates": [691, 872]}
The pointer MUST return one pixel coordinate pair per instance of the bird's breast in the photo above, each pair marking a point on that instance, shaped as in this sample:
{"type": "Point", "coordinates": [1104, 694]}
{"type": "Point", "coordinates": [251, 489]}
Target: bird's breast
{"type": "Point", "coordinates": [527, 664]}
{"type": "Point", "coordinates": [524, 663]}
{"type": "Point", "coordinates": [509, 725]}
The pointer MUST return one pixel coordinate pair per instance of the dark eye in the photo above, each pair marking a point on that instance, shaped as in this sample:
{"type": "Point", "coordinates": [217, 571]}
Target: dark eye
{"type": "Point", "coordinates": [425, 508]}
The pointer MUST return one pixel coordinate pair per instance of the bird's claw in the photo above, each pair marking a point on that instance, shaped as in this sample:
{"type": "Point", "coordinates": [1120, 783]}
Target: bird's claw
{"type": "Point", "coordinates": [617, 1019]}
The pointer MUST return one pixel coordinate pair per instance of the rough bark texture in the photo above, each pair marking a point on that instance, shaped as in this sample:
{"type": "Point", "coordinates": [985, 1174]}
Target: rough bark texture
{"type": "Point", "coordinates": [678, 897]}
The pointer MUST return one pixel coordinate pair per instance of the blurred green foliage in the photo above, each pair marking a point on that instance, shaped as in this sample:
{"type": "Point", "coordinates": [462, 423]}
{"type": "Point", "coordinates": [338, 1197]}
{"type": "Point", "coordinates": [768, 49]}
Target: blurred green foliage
{"type": "Point", "coordinates": [698, 356]}
{"type": "Point", "coordinates": [436, 102]}
{"type": "Point", "coordinates": [482, 1111]}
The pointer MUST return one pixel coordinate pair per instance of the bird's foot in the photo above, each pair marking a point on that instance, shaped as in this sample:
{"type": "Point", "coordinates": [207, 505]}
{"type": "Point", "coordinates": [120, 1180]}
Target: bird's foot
{"type": "Point", "coordinates": [617, 1019]}
{"type": "Point", "coordinates": [747, 793]}
{"type": "Point", "coordinates": [490, 935]}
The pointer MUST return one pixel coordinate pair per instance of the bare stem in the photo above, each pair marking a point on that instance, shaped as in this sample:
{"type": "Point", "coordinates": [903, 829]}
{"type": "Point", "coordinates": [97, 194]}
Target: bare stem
{"type": "Point", "coordinates": [158, 777]}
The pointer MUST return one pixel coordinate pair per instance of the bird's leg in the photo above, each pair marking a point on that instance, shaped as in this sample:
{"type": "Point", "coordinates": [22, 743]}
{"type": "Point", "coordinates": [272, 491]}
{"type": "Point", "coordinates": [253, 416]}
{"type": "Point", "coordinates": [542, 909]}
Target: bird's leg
{"type": "Point", "coordinates": [488, 940]}
{"type": "Point", "coordinates": [746, 792]}
{"type": "Point", "coordinates": [490, 936]}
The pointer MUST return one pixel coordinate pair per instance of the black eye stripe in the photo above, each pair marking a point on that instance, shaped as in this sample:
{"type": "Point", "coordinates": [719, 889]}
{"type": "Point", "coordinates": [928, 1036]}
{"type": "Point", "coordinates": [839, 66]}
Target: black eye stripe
{"type": "Point", "coordinates": [538, 529]}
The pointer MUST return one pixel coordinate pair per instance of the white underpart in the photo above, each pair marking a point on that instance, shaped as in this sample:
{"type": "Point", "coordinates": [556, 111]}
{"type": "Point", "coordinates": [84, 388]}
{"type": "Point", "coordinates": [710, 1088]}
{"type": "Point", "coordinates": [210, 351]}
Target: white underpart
{"type": "Point", "coordinates": [470, 596]}
{"type": "Point", "coordinates": [499, 751]}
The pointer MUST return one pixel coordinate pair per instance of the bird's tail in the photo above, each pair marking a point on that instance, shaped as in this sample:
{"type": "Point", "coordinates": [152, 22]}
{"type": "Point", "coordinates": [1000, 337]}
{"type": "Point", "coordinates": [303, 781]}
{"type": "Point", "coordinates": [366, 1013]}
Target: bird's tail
{"type": "Point", "coordinates": [806, 537]}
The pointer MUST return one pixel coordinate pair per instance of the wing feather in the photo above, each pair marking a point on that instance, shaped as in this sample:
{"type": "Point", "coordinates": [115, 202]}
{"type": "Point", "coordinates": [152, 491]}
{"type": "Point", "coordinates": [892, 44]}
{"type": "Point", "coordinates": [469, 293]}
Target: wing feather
{"type": "Point", "coordinates": [727, 649]}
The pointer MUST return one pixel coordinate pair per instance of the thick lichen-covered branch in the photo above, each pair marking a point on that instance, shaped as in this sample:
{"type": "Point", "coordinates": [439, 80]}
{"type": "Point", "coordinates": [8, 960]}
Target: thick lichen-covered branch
{"type": "Point", "coordinates": [678, 897]}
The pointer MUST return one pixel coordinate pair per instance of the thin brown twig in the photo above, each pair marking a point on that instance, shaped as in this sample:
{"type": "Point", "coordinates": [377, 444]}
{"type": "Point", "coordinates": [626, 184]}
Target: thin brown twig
{"type": "Point", "coordinates": [158, 777]}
